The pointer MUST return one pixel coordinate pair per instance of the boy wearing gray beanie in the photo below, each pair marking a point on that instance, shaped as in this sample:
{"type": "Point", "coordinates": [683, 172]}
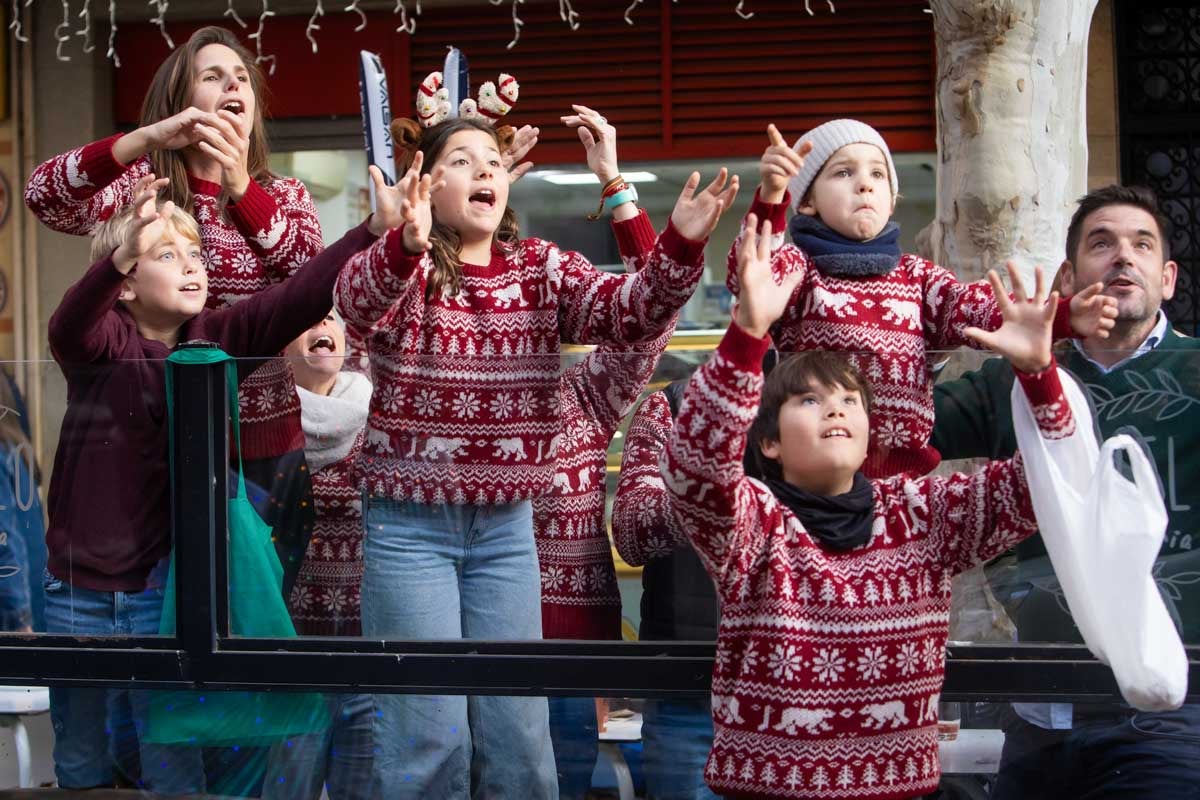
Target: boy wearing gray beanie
{"type": "Point", "coordinates": [860, 295]}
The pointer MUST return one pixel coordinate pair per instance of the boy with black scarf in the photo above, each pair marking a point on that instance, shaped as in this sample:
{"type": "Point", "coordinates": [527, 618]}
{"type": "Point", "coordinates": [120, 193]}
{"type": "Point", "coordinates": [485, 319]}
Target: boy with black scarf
{"type": "Point", "coordinates": [835, 589]}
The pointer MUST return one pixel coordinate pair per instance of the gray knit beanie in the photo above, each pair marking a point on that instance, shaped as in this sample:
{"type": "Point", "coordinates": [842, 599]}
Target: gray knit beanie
{"type": "Point", "coordinates": [827, 139]}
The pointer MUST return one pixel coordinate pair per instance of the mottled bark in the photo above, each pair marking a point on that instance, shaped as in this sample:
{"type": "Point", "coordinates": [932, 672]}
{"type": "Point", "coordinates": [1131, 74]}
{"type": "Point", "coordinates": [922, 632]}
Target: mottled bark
{"type": "Point", "coordinates": [1012, 143]}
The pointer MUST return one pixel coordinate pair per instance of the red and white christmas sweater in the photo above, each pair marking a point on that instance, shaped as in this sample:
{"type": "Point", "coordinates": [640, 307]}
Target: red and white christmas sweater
{"type": "Point", "coordinates": [886, 324]}
{"type": "Point", "coordinates": [829, 664]}
{"type": "Point", "coordinates": [466, 402]}
{"type": "Point", "coordinates": [580, 598]}
{"type": "Point", "coordinates": [643, 525]}
{"type": "Point", "coordinates": [260, 240]}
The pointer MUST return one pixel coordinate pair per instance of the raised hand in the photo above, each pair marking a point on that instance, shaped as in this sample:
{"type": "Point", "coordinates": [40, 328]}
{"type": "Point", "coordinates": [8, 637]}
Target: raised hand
{"type": "Point", "coordinates": [173, 133]}
{"type": "Point", "coordinates": [148, 225]}
{"type": "Point", "coordinates": [1025, 336]}
{"type": "Point", "coordinates": [696, 215]}
{"type": "Point", "coordinates": [406, 205]}
{"type": "Point", "coordinates": [762, 300]}
{"type": "Point", "coordinates": [599, 140]}
{"type": "Point", "coordinates": [225, 137]}
{"type": "Point", "coordinates": [778, 165]}
{"type": "Point", "coordinates": [1092, 313]}
{"type": "Point", "coordinates": [523, 141]}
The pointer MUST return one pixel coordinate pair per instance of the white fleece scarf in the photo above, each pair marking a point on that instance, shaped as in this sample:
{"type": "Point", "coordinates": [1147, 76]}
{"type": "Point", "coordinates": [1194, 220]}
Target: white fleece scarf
{"type": "Point", "coordinates": [332, 422]}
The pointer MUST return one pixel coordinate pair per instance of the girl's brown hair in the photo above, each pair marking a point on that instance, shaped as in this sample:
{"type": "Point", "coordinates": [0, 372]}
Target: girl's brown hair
{"type": "Point", "coordinates": [407, 138]}
{"type": "Point", "coordinates": [171, 92]}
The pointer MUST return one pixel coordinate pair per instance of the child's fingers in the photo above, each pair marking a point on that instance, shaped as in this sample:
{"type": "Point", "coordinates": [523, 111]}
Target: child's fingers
{"type": "Point", "coordinates": [764, 241]}
{"type": "Point", "coordinates": [1002, 300]}
{"type": "Point", "coordinates": [805, 148]}
{"type": "Point", "coordinates": [775, 136]}
{"type": "Point", "coordinates": [1039, 283]}
{"type": "Point", "coordinates": [689, 188]}
{"type": "Point", "coordinates": [1088, 292]}
{"type": "Point", "coordinates": [718, 182]}
{"type": "Point", "coordinates": [782, 163]}
{"type": "Point", "coordinates": [1014, 278]}
{"type": "Point", "coordinates": [417, 163]}
{"type": "Point", "coordinates": [727, 197]}
{"type": "Point", "coordinates": [748, 247]}
{"type": "Point", "coordinates": [980, 336]}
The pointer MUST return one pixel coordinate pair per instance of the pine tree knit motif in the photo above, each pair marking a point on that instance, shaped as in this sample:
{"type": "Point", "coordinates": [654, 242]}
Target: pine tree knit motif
{"type": "Point", "coordinates": [885, 324]}
{"type": "Point", "coordinates": [580, 599]}
{"type": "Point", "coordinates": [466, 402]}
{"type": "Point", "coordinates": [325, 599]}
{"type": "Point", "coordinates": [643, 526]}
{"type": "Point", "coordinates": [260, 240]}
{"type": "Point", "coordinates": [818, 690]}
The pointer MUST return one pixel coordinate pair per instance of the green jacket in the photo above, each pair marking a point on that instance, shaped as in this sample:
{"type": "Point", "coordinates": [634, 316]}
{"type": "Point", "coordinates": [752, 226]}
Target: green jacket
{"type": "Point", "coordinates": [1157, 395]}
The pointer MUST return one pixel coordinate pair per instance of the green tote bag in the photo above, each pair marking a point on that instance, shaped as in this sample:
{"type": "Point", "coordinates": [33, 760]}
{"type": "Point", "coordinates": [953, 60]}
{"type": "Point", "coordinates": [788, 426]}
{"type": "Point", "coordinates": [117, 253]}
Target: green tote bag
{"type": "Point", "coordinates": [256, 608]}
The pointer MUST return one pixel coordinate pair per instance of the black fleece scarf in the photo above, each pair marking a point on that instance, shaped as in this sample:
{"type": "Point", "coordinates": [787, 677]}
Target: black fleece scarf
{"type": "Point", "coordinates": [839, 257]}
{"type": "Point", "coordinates": [840, 521]}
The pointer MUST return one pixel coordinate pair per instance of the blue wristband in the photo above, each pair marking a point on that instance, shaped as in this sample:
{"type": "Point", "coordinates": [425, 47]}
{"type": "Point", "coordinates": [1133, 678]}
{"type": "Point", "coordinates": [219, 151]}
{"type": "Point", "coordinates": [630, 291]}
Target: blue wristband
{"type": "Point", "coordinates": [626, 195]}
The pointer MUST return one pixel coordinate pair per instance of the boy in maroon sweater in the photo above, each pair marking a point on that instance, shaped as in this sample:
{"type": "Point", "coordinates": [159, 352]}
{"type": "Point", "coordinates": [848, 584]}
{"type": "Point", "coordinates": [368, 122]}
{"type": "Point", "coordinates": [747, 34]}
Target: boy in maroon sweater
{"type": "Point", "coordinates": [835, 590]}
{"type": "Point", "coordinates": [109, 533]}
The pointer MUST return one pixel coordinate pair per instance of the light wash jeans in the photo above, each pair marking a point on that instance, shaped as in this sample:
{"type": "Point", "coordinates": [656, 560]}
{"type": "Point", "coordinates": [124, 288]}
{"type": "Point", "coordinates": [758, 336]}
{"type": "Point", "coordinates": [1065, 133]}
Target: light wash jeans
{"type": "Point", "coordinates": [340, 759]}
{"type": "Point", "coordinates": [84, 719]}
{"type": "Point", "coordinates": [676, 738]}
{"type": "Point", "coordinates": [456, 572]}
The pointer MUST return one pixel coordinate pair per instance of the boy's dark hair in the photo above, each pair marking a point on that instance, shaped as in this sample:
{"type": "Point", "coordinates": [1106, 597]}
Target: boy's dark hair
{"type": "Point", "coordinates": [1117, 195]}
{"type": "Point", "coordinates": [796, 374]}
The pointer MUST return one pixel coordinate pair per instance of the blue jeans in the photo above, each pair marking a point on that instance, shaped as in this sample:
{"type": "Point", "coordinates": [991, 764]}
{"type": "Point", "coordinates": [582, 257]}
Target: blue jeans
{"type": "Point", "coordinates": [676, 738]}
{"type": "Point", "coordinates": [84, 719]}
{"type": "Point", "coordinates": [1123, 757]}
{"type": "Point", "coordinates": [342, 758]}
{"type": "Point", "coordinates": [456, 572]}
{"type": "Point", "coordinates": [574, 732]}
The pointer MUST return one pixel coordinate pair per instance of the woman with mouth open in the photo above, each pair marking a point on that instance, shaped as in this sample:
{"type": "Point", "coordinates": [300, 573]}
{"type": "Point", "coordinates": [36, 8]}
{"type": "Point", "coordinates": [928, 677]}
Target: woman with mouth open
{"type": "Point", "coordinates": [202, 128]}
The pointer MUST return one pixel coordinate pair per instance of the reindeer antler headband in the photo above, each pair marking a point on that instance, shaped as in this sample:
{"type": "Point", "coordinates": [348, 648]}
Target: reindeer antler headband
{"type": "Point", "coordinates": [435, 104]}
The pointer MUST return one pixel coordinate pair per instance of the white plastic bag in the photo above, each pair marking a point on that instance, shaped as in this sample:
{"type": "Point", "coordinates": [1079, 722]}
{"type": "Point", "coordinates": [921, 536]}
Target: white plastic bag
{"type": "Point", "coordinates": [1103, 533]}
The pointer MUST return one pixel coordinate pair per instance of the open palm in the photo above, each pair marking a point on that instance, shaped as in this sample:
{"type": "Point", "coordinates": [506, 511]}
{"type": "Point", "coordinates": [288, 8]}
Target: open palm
{"type": "Point", "coordinates": [1025, 336]}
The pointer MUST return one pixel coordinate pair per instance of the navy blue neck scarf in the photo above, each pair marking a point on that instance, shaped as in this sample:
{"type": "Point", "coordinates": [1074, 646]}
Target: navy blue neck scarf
{"type": "Point", "coordinates": [839, 257]}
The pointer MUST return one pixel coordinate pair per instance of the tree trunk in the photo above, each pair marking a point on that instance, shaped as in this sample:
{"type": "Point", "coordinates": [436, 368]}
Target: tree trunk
{"type": "Point", "coordinates": [1011, 132]}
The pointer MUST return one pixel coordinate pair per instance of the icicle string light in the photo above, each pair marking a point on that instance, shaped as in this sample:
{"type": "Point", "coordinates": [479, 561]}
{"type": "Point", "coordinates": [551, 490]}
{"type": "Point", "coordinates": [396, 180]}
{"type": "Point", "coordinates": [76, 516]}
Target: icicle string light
{"type": "Point", "coordinates": [353, 7]}
{"type": "Point", "coordinates": [161, 20]}
{"type": "Point", "coordinates": [230, 11]}
{"type": "Point", "coordinates": [257, 36]}
{"type": "Point", "coordinates": [86, 30]}
{"type": "Point", "coordinates": [407, 24]}
{"type": "Point", "coordinates": [629, 11]}
{"type": "Point", "coordinates": [15, 25]}
{"type": "Point", "coordinates": [568, 14]}
{"type": "Point", "coordinates": [312, 25]}
{"type": "Point", "coordinates": [62, 33]}
{"type": "Point", "coordinates": [112, 34]}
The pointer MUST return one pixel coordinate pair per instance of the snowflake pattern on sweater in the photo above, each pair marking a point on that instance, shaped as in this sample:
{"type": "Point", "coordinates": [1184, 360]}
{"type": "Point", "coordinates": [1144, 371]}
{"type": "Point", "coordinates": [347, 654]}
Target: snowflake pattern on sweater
{"type": "Point", "coordinates": [829, 664]}
{"type": "Point", "coordinates": [580, 598]}
{"type": "Point", "coordinates": [260, 240]}
{"type": "Point", "coordinates": [326, 598]}
{"type": "Point", "coordinates": [466, 400]}
{"type": "Point", "coordinates": [885, 324]}
{"type": "Point", "coordinates": [643, 525]}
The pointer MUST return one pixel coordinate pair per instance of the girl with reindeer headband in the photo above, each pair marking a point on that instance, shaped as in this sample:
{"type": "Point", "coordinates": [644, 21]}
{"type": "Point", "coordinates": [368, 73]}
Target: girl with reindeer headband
{"type": "Point", "coordinates": [463, 321]}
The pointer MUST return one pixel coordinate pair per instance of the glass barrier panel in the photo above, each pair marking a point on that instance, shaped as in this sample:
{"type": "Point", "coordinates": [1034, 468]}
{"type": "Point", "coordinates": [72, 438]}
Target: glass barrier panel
{"type": "Point", "coordinates": [85, 530]}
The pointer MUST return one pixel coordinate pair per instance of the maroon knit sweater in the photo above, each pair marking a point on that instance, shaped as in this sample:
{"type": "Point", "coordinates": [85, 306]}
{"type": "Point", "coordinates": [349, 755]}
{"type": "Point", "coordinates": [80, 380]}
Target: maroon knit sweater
{"type": "Point", "coordinates": [830, 663]}
{"type": "Point", "coordinates": [109, 494]}
{"type": "Point", "coordinates": [258, 241]}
